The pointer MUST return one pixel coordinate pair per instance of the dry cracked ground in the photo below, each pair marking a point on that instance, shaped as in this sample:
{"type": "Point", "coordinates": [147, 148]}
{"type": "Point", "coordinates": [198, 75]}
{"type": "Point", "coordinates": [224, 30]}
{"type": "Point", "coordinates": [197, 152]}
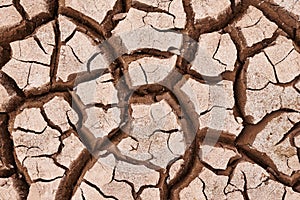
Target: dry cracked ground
{"type": "Point", "coordinates": [193, 99]}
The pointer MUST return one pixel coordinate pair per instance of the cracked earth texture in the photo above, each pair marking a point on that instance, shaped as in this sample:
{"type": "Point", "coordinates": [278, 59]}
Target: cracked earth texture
{"type": "Point", "coordinates": [58, 143]}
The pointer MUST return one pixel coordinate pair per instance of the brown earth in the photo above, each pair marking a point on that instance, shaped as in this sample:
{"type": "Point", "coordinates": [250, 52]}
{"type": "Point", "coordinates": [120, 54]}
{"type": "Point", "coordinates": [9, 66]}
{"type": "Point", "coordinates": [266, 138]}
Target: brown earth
{"type": "Point", "coordinates": [153, 123]}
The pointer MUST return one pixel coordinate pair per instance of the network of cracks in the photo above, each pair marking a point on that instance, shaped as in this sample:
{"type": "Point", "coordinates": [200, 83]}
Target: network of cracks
{"type": "Point", "coordinates": [190, 100]}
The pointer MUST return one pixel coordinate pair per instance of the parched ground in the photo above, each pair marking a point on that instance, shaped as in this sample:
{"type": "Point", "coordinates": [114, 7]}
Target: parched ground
{"type": "Point", "coordinates": [150, 99]}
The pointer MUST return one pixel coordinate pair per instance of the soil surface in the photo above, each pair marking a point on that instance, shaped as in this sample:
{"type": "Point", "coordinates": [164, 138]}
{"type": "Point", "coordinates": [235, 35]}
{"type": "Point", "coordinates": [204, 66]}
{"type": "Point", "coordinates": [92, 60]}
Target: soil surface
{"type": "Point", "coordinates": [150, 99]}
